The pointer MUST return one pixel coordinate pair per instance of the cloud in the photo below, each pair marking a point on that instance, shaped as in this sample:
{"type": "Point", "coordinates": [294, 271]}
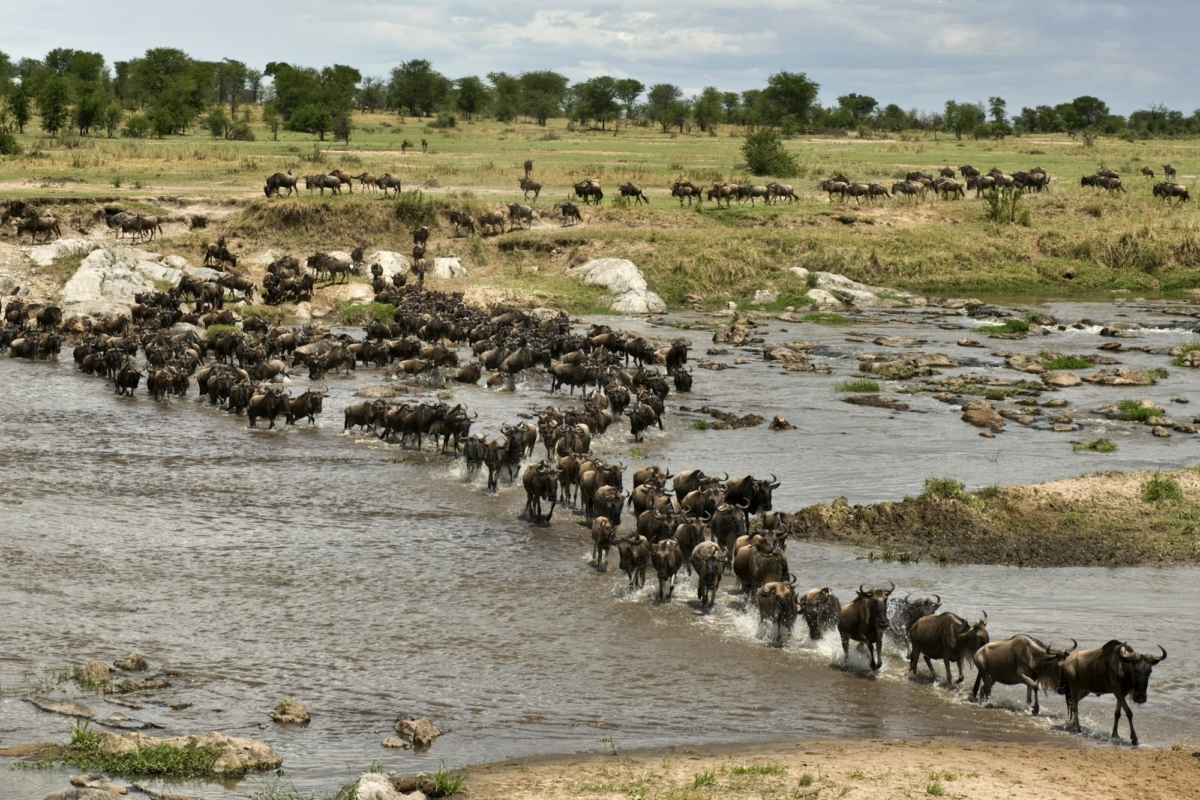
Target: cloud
{"type": "Point", "coordinates": [916, 53]}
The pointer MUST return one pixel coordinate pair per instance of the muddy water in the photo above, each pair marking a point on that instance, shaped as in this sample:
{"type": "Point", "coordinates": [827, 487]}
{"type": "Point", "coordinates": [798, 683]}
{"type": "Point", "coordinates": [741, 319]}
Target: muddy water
{"type": "Point", "coordinates": [365, 582]}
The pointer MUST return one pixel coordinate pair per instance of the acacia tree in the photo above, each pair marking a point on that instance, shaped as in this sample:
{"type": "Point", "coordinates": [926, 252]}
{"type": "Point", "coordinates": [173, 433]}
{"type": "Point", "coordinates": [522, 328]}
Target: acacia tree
{"type": "Point", "coordinates": [18, 106]}
{"type": "Point", "coordinates": [542, 94]}
{"type": "Point", "coordinates": [628, 92]}
{"type": "Point", "coordinates": [472, 95]}
{"type": "Point", "coordinates": [790, 94]}
{"type": "Point", "coordinates": [596, 98]}
{"type": "Point", "coordinates": [417, 86]}
{"type": "Point", "coordinates": [52, 101]}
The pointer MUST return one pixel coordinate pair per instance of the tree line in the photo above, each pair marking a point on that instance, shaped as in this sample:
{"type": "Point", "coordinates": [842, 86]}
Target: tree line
{"type": "Point", "coordinates": [166, 92]}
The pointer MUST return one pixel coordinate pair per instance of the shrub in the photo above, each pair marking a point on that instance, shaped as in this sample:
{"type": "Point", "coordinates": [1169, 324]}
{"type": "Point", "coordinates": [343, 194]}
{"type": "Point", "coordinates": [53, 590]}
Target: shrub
{"type": "Point", "coordinates": [1159, 488]}
{"type": "Point", "coordinates": [137, 127]}
{"type": "Point", "coordinates": [1008, 326]}
{"type": "Point", "coordinates": [444, 121]}
{"type": "Point", "coordinates": [948, 488]}
{"type": "Point", "coordinates": [447, 782]}
{"type": "Point", "coordinates": [1096, 446]}
{"type": "Point", "coordinates": [415, 209]}
{"type": "Point", "coordinates": [1134, 411]}
{"type": "Point", "coordinates": [765, 155]}
{"type": "Point", "coordinates": [9, 146]}
{"type": "Point", "coordinates": [857, 385]}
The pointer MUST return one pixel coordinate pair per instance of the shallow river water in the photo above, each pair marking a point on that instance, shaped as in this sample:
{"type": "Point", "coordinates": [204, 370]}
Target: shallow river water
{"type": "Point", "coordinates": [338, 571]}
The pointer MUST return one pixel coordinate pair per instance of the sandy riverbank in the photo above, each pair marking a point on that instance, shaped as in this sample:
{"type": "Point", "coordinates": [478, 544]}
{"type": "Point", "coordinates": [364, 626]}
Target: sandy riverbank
{"type": "Point", "coordinates": [862, 769]}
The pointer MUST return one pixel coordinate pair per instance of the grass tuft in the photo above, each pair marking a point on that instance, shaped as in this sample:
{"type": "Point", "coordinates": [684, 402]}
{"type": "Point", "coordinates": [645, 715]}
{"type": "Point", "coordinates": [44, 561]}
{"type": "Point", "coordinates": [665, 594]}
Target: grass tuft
{"type": "Point", "coordinates": [363, 313]}
{"type": "Point", "coordinates": [1064, 362]}
{"type": "Point", "coordinates": [806, 779]}
{"type": "Point", "coordinates": [947, 488]}
{"type": "Point", "coordinates": [700, 425]}
{"type": "Point", "coordinates": [1096, 446]}
{"type": "Point", "coordinates": [706, 778]}
{"type": "Point", "coordinates": [1134, 411]}
{"type": "Point", "coordinates": [1159, 488]}
{"type": "Point", "coordinates": [162, 759]}
{"type": "Point", "coordinates": [935, 788]}
{"type": "Point", "coordinates": [447, 782]}
{"type": "Point", "coordinates": [1011, 325]}
{"type": "Point", "coordinates": [858, 386]}
{"type": "Point", "coordinates": [1187, 348]}
{"type": "Point", "coordinates": [759, 769]}
{"type": "Point", "coordinates": [827, 318]}
{"type": "Point", "coordinates": [213, 331]}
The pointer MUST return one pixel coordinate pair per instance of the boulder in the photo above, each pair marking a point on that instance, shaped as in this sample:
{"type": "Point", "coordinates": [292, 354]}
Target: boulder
{"type": "Point", "coordinates": [781, 424]}
{"type": "Point", "coordinates": [377, 392]}
{"type": "Point", "coordinates": [289, 711]}
{"type": "Point", "coordinates": [92, 673]}
{"type": "Point", "coordinates": [418, 733]}
{"type": "Point", "coordinates": [1025, 363]}
{"type": "Point", "coordinates": [764, 296]}
{"type": "Point", "coordinates": [108, 278]}
{"type": "Point", "coordinates": [84, 793]}
{"type": "Point", "coordinates": [823, 298]}
{"type": "Point", "coordinates": [131, 663]}
{"type": "Point", "coordinates": [621, 278]}
{"type": "Point", "coordinates": [375, 786]}
{"type": "Point", "coordinates": [1190, 359]}
{"type": "Point", "coordinates": [9, 284]}
{"type": "Point", "coordinates": [44, 255]}
{"type": "Point", "coordinates": [69, 708]}
{"type": "Point", "coordinates": [1161, 432]}
{"type": "Point", "coordinates": [1119, 376]}
{"type": "Point", "coordinates": [859, 295]}
{"type": "Point", "coordinates": [97, 780]}
{"type": "Point", "coordinates": [447, 268]}
{"type": "Point", "coordinates": [875, 401]}
{"type": "Point", "coordinates": [235, 756]}
{"type": "Point", "coordinates": [1061, 379]}
{"type": "Point", "coordinates": [982, 414]}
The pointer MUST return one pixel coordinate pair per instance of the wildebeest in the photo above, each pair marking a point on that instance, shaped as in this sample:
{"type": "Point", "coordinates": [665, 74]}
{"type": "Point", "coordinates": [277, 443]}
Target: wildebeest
{"type": "Point", "coordinates": [1114, 669]}
{"type": "Point", "coordinates": [631, 189]}
{"type": "Point", "coordinates": [685, 189]}
{"type": "Point", "coordinates": [750, 495]}
{"type": "Point", "coordinates": [864, 619]}
{"type": "Point", "coordinates": [460, 219]}
{"type": "Point", "coordinates": [387, 181]}
{"type": "Point", "coordinates": [1017, 660]}
{"type": "Point", "coordinates": [708, 562]}
{"type": "Point", "coordinates": [723, 191]}
{"type": "Point", "coordinates": [946, 636]}
{"type": "Point", "coordinates": [760, 561]}
{"type": "Point", "coordinates": [1169, 171]}
{"type": "Point", "coordinates": [528, 166]}
{"type": "Point", "coordinates": [1171, 190]}
{"type": "Point", "coordinates": [775, 191]}
{"type": "Point", "coordinates": [820, 609]}
{"type": "Point", "coordinates": [634, 551]}
{"type": "Point", "coordinates": [834, 187]}
{"type": "Point", "coordinates": [34, 225]}
{"type": "Point", "coordinates": [541, 483]}
{"type": "Point", "coordinates": [280, 181]}
{"type": "Point", "coordinates": [268, 403]}
{"type": "Point", "coordinates": [570, 212]}
{"type": "Point", "coordinates": [904, 614]}
{"type": "Point", "coordinates": [493, 220]}
{"type": "Point", "coordinates": [306, 405]}
{"type": "Point", "coordinates": [49, 317]}
{"type": "Point", "coordinates": [588, 190]}
{"type": "Point", "coordinates": [667, 558]}
{"type": "Point", "coordinates": [519, 215]}
{"type": "Point", "coordinates": [1147, 173]}
{"type": "Point", "coordinates": [323, 182]}
{"type": "Point", "coordinates": [777, 603]}
{"type": "Point", "coordinates": [344, 178]}
{"type": "Point", "coordinates": [967, 171]}
{"type": "Point", "coordinates": [363, 415]}
{"type": "Point", "coordinates": [602, 541]}
{"type": "Point", "coordinates": [527, 185]}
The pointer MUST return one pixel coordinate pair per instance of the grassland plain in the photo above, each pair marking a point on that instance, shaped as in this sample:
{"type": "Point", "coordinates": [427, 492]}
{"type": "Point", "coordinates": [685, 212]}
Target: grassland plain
{"type": "Point", "coordinates": [1074, 241]}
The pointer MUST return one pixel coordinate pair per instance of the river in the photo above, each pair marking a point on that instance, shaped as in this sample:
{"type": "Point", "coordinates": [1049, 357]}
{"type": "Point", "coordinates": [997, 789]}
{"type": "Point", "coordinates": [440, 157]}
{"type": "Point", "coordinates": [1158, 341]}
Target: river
{"type": "Point", "coordinates": [343, 573]}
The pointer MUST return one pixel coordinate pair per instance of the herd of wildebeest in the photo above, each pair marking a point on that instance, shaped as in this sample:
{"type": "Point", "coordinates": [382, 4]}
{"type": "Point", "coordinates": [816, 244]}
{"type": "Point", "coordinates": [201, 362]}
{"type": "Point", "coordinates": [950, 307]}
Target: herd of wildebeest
{"type": "Point", "coordinates": [682, 522]}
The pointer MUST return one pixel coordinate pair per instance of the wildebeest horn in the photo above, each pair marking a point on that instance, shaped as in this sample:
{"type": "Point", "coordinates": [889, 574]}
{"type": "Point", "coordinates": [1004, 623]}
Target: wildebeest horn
{"type": "Point", "coordinates": [705, 515]}
{"type": "Point", "coordinates": [907, 596]}
{"type": "Point", "coordinates": [726, 478]}
{"type": "Point", "coordinates": [744, 504]}
{"type": "Point", "coordinates": [938, 597]}
{"type": "Point", "coordinates": [476, 415]}
{"type": "Point", "coordinates": [893, 588]}
{"type": "Point", "coordinates": [791, 579]}
{"type": "Point", "coordinates": [984, 617]}
{"type": "Point", "coordinates": [862, 588]}
{"type": "Point", "coordinates": [1074, 644]}
{"type": "Point", "coordinates": [1160, 658]}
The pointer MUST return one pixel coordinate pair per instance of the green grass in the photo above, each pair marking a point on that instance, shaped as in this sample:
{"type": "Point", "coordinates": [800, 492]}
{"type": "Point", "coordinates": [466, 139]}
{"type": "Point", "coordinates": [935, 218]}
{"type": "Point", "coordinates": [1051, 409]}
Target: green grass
{"type": "Point", "coordinates": [806, 779]}
{"type": "Point", "coordinates": [947, 488]}
{"type": "Point", "coordinates": [1011, 325]}
{"type": "Point", "coordinates": [827, 318]}
{"type": "Point", "coordinates": [935, 788]}
{"type": "Point", "coordinates": [700, 425]}
{"type": "Point", "coordinates": [447, 782]}
{"type": "Point", "coordinates": [1096, 446]}
{"type": "Point", "coordinates": [1064, 362]}
{"type": "Point", "coordinates": [1159, 488]}
{"type": "Point", "coordinates": [213, 331]}
{"type": "Point", "coordinates": [759, 769]}
{"type": "Point", "coordinates": [1133, 411]}
{"type": "Point", "coordinates": [857, 385]}
{"type": "Point", "coordinates": [1187, 348]}
{"type": "Point", "coordinates": [706, 778]}
{"type": "Point", "coordinates": [1157, 373]}
{"type": "Point", "coordinates": [161, 760]}
{"type": "Point", "coordinates": [364, 313]}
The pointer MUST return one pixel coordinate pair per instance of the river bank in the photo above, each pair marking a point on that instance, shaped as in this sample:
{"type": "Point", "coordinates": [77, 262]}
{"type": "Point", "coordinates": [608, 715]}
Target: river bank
{"type": "Point", "coordinates": [1100, 519]}
{"type": "Point", "coordinates": [870, 768]}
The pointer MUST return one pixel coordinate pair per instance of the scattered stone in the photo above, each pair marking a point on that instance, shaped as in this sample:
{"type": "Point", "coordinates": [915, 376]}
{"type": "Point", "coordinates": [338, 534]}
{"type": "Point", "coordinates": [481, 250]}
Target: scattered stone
{"type": "Point", "coordinates": [1055, 402]}
{"type": "Point", "coordinates": [1045, 320]}
{"type": "Point", "coordinates": [1180, 400]}
{"type": "Point", "coordinates": [81, 793]}
{"type": "Point", "coordinates": [1024, 363]}
{"type": "Point", "coordinates": [786, 353]}
{"type": "Point", "coordinates": [375, 786]}
{"type": "Point", "coordinates": [93, 673]}
{"type": "Point", "coordinates": [236, 756]}
{"type": "Point", "coordinates": [1115, 347]}
{"type": "Point", "coordinates": [121, 722]}
{"type": "Point", "coordinates": [121, 701]}
{"type": "Point", "coordinates": [22, 750]}
{"type": "Point", "coordinates": [131, 663]}
{"type": "Point", "coordinates": [69, 708]}
{"type": "Point", "coordinates": [153, 795]}
{"type": "Point", "coordinates": [97, 780]}
{"type": "Point", "coordinates": [289, 711]}
{"type": "Point", "coordinates": [1117, 333]}
{"type": "Point", "coordinates": [1161, 432]}
{"type": "Point", "coordinates": [897, 341]}
{"type": "Point", "coordinates": [781, 424]}
{"type": "Point", "coordinates": [970, 343]}
{"type": "Point", "coordinates": [875, 401]}
{"type": "Point", "coordinates": [1062, 428]}
{"type": "Point", "coordinates": [418, 733]}
{"type": "Point", "coordinates": [1191, 359]}
{"type": "Point", "coordinates": [824, 299]}
{"type": "Point", "coordinates": [1185, 428]}
{"type": "Point", "coordinates": [1119, 376]}
{"type": "Point", "coordinates": [982, 414]}
{"type": "Point", "coordinates": [764, 296]}
{"type": "Point", "coordinates": [126, 686]}
{"type": "Point", "coordinates": [179, 706]}
{"type": "Point", "coordinates": [987, 434]}
{"type": "Point", "coordinates": [1063, 420]}
{"type": "Point", "coordinates": [1061, 379]}
{"type": "Point", "coordinates": [410, 786]}
{"type": "Point", "coordinates": [377, 392]}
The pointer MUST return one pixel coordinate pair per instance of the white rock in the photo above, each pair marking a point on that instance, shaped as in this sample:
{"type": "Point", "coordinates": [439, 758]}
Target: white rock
{"type": "Point", "coordinates": [9, 284]}
{"type": "Point", "coordinates": [374, 786]}
{"type": "Point", "coordinates": [447, 268]}
{"type": "Point", "coordinates": [203, 273]}
{"type": "Point", "coordinates": [860, 294]}
{"type": "Point", "coordinates": [392, 263]}
{"type": "Point", "coordinates": [823, 298]}
{"type": "Point", "coordinates": [46, 254]}
{"type": "Point", "coordinates": [177, 262]}
{"type": "Point", "coordinates": [625, 281]}
{"type": "Point", "coordinates": [765, 296]}
{"type": "Point", "coordinates": [800, 272]}
{"type": "Point", "coordinates": [638, 303]}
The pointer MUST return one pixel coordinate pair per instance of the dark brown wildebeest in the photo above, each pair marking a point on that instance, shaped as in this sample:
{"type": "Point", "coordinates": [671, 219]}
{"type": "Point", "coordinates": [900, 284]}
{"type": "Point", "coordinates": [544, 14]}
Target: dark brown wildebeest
{"type": "Point", "coordinates": [708, 562]}
{"type": "Point", "coordinates": [723, 191]}
{"type": "Point", "coordinates": [1147, 173]}
{"type": "Point", "coordinates": [917, 175]}
{"type": "Point", "coordinates": [777, 190]}
{"type": "Point", "coordinates": [667, 559]}
{"type": "Point", "coordinates": [911, 189]}
{"type": "Point", "coordinates": [864, 619]}
{"type": "Point", "coordinates": [519, 215]}
{"type": "Point", "coordinates": [635, 554]}
{"type": "Point", "coordinates": [267, 403]}
{"type": "Point", "coordinates": [541, 484]}
{"type": "Point", "coordinates": [1019, 660]}
{"type": "Point", "coordinates": [602, 541]}
{"type": "Point", "coordinates": [528, 186]}
{"type": "Point", "coordinates": [760, 561]}
{"type": "Point", "coordinates": [946, 172]}
{"type": "Point", "coordinates": [323, 182]}
{"type": "Point", "coordinates": [1171, 190]}
{"type": "Point", "coordinates": [777, 603]}
{"type": "Point", "coordinates": [820, 609]}
{"type": "Point", "coordinates": [631, 189]}
{"type": "Point", "coordinates": [492, 220]}
{"type": "Point", "coordinates": [948, 187]}
{"type": "Point", "coordinates": [752, 192]}
{"type": "Point", "coordinates": [685, 189]}
{"type": "Point", "coordinates": [33, 225]}
{"type": "Point", "coordinates": [366, 181]}
{"type": "Point", "coordinates": [835, 187]}
{"type": "Point", "coordinates": [752, 496]}
{"type": "Point", "coordinates": [588, 190]}
{"type": "Point", "coordinates": [424, 145]}
{"type": "Point", "coordinates": [421, 235]}
{"type": "Point", "coordinates": [906, 612]}
{"type": "Point", "coordinates": [528, 166]}
{"type": "Point", "coordinates": [1105, 172]}
{"type": "Point", "coordinates": [967, 171]}
{"type": "Point", "coordinates": [946, 636]}
{"type": "Point", "coordinates": [460, 219]}
{"type": "Point", "coordinates": [306, 405]}
{"type": "Point", "coordinates": [49, 317]}
{"type": "Point", "coordinates": [344, 178]}
{"type": "Point", "coordinates": [388, 181]}
{"type": "Point", "coordinates": [1169, 171]}
{"type": "Point", "coordinates": [570, 212]}
{"type": "Point", "coordinates": [280, 181]}
{"type": "Point", "coordinates": [1112, 669]}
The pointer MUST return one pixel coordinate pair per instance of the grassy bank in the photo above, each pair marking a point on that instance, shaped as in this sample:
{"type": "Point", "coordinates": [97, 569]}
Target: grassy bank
{"type": "Point", "coordinates": [1101, 519]}
{"type": "Point", "coordinates": [1071, 241]}
{"type": "Point", "coordinates": [864, 769]}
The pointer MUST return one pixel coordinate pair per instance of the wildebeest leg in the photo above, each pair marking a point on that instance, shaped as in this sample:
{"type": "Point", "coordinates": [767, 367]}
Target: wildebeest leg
{"type": "Point", "coordinates": [1133, 739]}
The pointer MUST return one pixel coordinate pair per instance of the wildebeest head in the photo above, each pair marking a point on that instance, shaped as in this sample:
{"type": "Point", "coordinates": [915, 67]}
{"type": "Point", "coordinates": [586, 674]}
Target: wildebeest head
{"type": "Point", "coordinates": [813, 606]}
{"type": "Point", "coordinates": [877, 602]}
{"type": "Point", "coordinates": [1139, 666]}
{"type": "Point", "coordinates": [908, 610]}
{"type": "Point", "coordinates": [974, 637]}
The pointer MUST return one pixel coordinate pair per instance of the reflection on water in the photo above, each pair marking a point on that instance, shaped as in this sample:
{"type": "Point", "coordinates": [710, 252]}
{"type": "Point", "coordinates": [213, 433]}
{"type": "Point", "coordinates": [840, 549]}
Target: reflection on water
{"type": "Point", "coordinates": [325, 567]}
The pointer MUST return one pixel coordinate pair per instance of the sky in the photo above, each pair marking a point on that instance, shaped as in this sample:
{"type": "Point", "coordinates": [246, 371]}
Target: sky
{"type": "Point", "coordinates": [915, 53]}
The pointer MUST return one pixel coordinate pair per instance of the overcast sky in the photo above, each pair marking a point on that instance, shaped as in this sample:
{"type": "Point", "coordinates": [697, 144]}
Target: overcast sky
{"type": "Point", "coordinates": [917, 53]}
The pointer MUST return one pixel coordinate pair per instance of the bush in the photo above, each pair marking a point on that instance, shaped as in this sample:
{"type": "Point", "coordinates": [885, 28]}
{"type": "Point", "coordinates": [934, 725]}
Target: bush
{"type": "Point", "coordinates": [415, 209]}
{"type": "Point", "coordinates": [1159, 488]}
{"type": "Point", "coordinates": [858, 385]}
{"type": "Point", "coordinates": [765, 155]}
{"type": "Point", "coordinates": [1096, 446]}
{"type": "Point", "coordinates": [1008, 326]}
{"type": "Point", "coordinates": [240, 132]}
{"type": "Point", "coordinates": [137, 127]}
{"type": "Point", "coordinates": [1134, 411]}
{"type": "Point", "coordinates": [444, 121]}
{"type": "Point", "coordinates": [945, 487]}
{"type": "Point", "coordinates": [9, 146]}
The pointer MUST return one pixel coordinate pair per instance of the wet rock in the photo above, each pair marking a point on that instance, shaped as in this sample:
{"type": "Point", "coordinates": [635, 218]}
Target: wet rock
{"type": "Point", "coordinates": [1061, 379]}
{"type": "Point", "coordinates": [69, 708]}
{"type": "Point", "coordinates": [1185, 428]}
{"type": "Point", "coordinates": [1044, 320]}
{"type": "Point", "coordinates": [81, 793]}
{"type": "Point", "coordinates": [1114, 347]}
{"type": "Point", "coordinates": [970, 343]}
{"type": "Point", "coordinates": [1158, 421]}
{"type": "Point", "coordinates": [121, 701]}
{"type": "Point", "coordinates": [764, 296]}
{"type": "Point", "coordinates": [131, 663]}
{"type": "Point", "coordinates": [97, 780]}
{"type": "Point", "coordinates": [153, 795]}
{"type": "Point", "coordinates": [781, 424]}
{"type": "Point", "coordinates": [897, 341]}
{"type": "Point", "coordinates": [1063, 420]}
{"type": "Point", "coordinates": [987, 434]}
{"type": "Point", "coordinates": [375, 786]}
{"type": "Point", "coordinates": [126, 686]}
{"type": "Point", "coordinates": [178, 706]}
{"type": "Point", "coordinates": [860, 295]}
{"type": "Point", "coordinates": [938, 360]}
{"type": "Point", "coordinates": [419, 785]}
{"type": "Point", "coordinates": [289, 711]}
{"type": "Point", "coordinates": [786, 353]}
{"type": "Point", "coordinates": [377, 392]}
{"type": "Point", "coordinates": [93, 673]}
{"type": "Point", "coordinates": [1117, 332]}
{"type": "Point", "coordinates": [1191, 359]}
{"type": "Point", "coordinates": [1161, 432]}
{"type": "Point", "coordinates": [44, 255]}
{"type": "Point", "coordinates": [1025, 363]}
{"type": "Point", "coordinates": [419, 733]}
{"type": "Point", "coordinates": [875, 401]}
{"type": "Point", "coordinates": [982, 414]}
{"type": "Point", "coordinates": [824, 299]}
{"type": "Point", "coordinates": [1119, 376]}
{"type": "Point", "coordinates": [22, 750]}
{"type": "Point", "coordinates": [1054, 402]}
{"type": "Point", "coordinates": [124, 723]}
{"type": "Point", "coordinates": [235, 756]}
{"type": "Point", "coordinates": [1180, 400]}
{"type": "Point", "coordinates": [1062, 427]}
{"type": "Point", "coordinates": [624, 281]}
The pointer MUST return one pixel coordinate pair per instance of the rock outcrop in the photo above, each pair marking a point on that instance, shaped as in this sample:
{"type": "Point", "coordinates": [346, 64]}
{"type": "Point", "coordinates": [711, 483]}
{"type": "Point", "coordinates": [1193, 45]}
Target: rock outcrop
{"type": "Point", "coordinates": [108, 279]}
{"type": "Point", "coordinates": [446, 268]}
{"type": "Point", "coordinates": [624, 281]}
{"type": "Point", "coordinates": [289, 711]}
{"type": "Point", "coordinates": [234, 756]}
{"type": "Point", "coordinates": [416, 733]}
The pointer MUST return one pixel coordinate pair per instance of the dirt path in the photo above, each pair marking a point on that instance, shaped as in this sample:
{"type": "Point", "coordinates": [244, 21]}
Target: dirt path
{"type": "Point", "coordinates": [862, 769]}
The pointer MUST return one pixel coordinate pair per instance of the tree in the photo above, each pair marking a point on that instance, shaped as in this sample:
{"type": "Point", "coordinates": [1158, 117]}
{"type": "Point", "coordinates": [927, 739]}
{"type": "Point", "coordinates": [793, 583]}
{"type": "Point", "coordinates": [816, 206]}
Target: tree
{"type": "Point", "coordinates": [765, 155]}
{"type": "Point", "coordinates": [295, 87]}
{"type": "Point", "coordinates": [417, 86]}
{"type": "Point", "coordinates": [677, 114]}
{"type": "Point", "coordinates": [270, 119]}
{"type": "Point", "coordinates": [217, 122]}
{"type": "Point", "coordinates": [173, 86]}
{"type": "Point", "coordinates": [342, 126]}
{"type": "Point", "coordinates": [542, 94]}
{"type": "Point", "coordinates": [8, 71]}
{"type": "Point", "coordinates": [893, 119]}
{"type": "Point", "coordinates": [254, 78]}
{"type": "Point", "coordinates": [628, 92]}
{"type": "Point", "coordinates": [88, 111]}
{"type": "Point", "coordinates": [112, 118]}
{"type": "Point", "coordinates": [231, 82]}
{"type": "Point", "coordinates": [52, 102]}
{"type": "Point", "coordinates": [1090, 111]}
{"type": "Point", "coordinates": [791, 93]}
{"type": "Point", "coordinates": [472, 95]}
{"type": "Point", "coordinates": [372, 95]}
{"type": "Point", "coordinates": [860, 107]}
{"type": "Point", "coordinates": [596, 98]}
{"type": "Point", "coordinates": [312, 118]}
{"type": "Point", "coordinates": [731, 104]}
{"type": "Point", "coordinates": [18, 106]}
{"type": "Point", "coordinates": [963, 117]}
{"type": "Point", "coordinates": [659, 100]}
{"type": "Point", "coordinates": [706, 109]}
{"type": "Point", "coordinates": [506, 95]}
{"type": "Point", "coordinates": [999, 108]}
